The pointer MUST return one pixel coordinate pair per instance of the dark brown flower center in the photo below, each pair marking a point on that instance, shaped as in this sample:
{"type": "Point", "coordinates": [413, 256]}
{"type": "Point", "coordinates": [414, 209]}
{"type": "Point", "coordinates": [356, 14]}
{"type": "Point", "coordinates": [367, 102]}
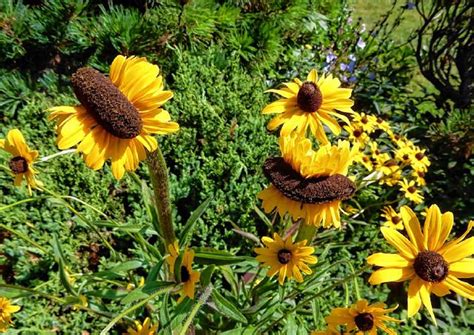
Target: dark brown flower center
{"type": "Point", "coordinates": [431, 266]}
{"type": "Point", "coordinates": [364, 321]}
{"type": "Point", "coordinates": [390, 162]}
{"type": "Point", "coordinates": [284, 256]}
{"type": "Point", "coordinates": [396, 219]}
{"type": "Point", "coordinates": [18, 165]}
{"type": "Point", "coordinates": [109, 107]}
{"type": "Point", "coordinates": [364, 120]}
{"type": "Point", "coordinates": [309, 97]}
{"type": "Point", "coordinates": [405, 157]}
{"type": "Point", "coordinates": [411, 189]}
{"type": "Point", "coordinates": [357, 133]}
{"type": "Point", "coordinates": [379, 120]}
{"type": "Point", "coordinates": [185, 276]}
{"type": "Point", "coordinates": [421, 174]}
{"type": "Point", "coordinates": [316, 190]}
{"type": "Point", "coordinates": [419, 155]}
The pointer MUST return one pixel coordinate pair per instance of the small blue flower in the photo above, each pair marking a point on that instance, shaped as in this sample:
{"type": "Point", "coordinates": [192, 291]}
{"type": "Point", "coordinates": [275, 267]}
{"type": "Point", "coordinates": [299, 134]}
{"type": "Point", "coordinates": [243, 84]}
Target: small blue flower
{"type": "Point", "coordinates": [410, 5]}
{"type": "Point", "coordinates": [351, 66]}
{"type": "Point", "coordinates": [343, 66]}
{"type": "Point", "coordinates": [360, 43]}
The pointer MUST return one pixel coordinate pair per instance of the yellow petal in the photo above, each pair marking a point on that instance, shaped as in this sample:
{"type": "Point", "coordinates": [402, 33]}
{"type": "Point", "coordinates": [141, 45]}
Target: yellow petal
{"type": "Point", "coordinates": [459, 251]}
{"type": "Point", "coordinates": [460, 287]}
{"type": "Point", "coordinates": [414, 299]}
{"type": "Point", "coordinates": [388, 260]}
{"type": "Point", "coordinates": [412, 226]}
{"type": "Point", "coordinates": [426, 299]}
{"type": "Point", "coordinates": [463, 268]}
{"type": "Point", "coordinates": [432, 227]}
{"type": "Point", "coordinates": [313, 76]}
{"type": "Point", "coordinates": [400, 242]}
{"type": "Point", "coordinates": [387, 275]}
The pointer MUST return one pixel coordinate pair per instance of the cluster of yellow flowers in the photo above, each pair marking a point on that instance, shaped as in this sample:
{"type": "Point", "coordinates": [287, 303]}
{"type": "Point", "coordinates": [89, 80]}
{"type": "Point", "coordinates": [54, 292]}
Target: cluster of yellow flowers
{"type": "Point", "coordinates": [6, 311]}
{"type": "Point", "coordinates": [396, 160]}
{"type": "Point", "coordinates": [309, 186]}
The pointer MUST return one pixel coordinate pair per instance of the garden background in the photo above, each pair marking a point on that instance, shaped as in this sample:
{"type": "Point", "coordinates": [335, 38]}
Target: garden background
{"type": "Point", "coordinates": [218, 57]}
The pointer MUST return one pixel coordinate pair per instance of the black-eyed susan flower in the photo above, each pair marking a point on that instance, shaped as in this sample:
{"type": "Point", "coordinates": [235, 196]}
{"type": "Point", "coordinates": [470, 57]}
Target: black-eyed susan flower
{"type": "Point", "coordinates": [365, 160]}
{"type": "Point", "coordinates": [118, 115]}
{"type": "Point", "coordinates": [426, 259]}
{"type": "Point", "coordinates": [419, 160]}
{"type": "Point", "coordinates": [6, 311]}
{"type": "Point", "coordinates": [361, 318]}
{"type": "Point", "coordinates": [357, 134]}
{"type": "Point", "coordinates": [410, 191]}
{"type": "Point", "coordinates": [307, 184]}
{"type": "Point", "coordinates": [367, 123]}
{"type": "Point", "coordinates": [187, 276]}
{"type": "Point", "coordinates": [383, 125]}
{"type": "Point", "coordinates": [392, 218]}
{"type": "Point", "coordinates": [419, 176]}
{"type": "Point", "coordinates": [310, 104]}
{"type": "Point", "coordinates": [145, 328]}
{"type": "Point", "coordinates": [286, 258]}
{"type": "Point", "coordinates": [21, 164]}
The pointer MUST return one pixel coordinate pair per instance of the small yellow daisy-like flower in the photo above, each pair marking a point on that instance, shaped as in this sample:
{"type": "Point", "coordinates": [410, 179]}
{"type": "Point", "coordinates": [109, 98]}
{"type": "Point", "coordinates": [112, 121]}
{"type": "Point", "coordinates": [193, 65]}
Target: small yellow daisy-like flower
{"type": "Point", "coordinates": [426, 259]}
{"type": "Point", "coordinates": [6, 311]}
{"type": "Point", "coordinates": [145, 328]}
{"type": "Point", "coordinates": [411, 191]}
{"type": "Point", "coordinates": [188, 277]}
{"type": "Point", "coordinates": [365, 160]}
{"type": "Point", "coordinates": [118, 115]}
{"type": "Point", "coordinates": [383, 125]}
{"type": "Point", "coordinates": [404, 155]}
{"type": "Point", "coordinates": [362, 318]}
{"type": "Point", "coordinates": [419, 177]}
{"type": "Point", "coordinates": [286, 258]}
{"type": "Point", "coordinates": [329, 332]}
{"type": "Point", "coordinates": [419, 160]}
{"type": "Point", "coordinates": [368, 123]}
{"type": "Point", "coordinates": [388, 167]}
{"type": "Point", "coordinates": [392, 179]}
{"type": "Point", "coordinates": [307, 184]}
{"type": "Point", "coordinates": [392, 218]}
{"type": "Point", "coordinates": [310, 104]}
{"type": "Point", "coordinates": [357, 135]}
{"type": "Point", "coordinates": [21, 164]}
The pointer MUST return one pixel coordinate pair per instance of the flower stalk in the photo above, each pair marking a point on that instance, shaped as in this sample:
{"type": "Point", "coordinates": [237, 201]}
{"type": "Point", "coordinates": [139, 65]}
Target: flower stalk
{"type": "Point", "coordinates": [161, 189]}
{"type": "Point", "coordinates": [305, 232]}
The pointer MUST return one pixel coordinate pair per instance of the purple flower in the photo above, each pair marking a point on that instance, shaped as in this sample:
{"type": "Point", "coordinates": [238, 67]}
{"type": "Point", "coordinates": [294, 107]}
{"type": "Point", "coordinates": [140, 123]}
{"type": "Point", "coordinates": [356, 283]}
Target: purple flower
{"type": "Point", "coordinates": [351, 66]}
{"type": "Point", "coordinates": [410, 5]}
{"type": "Point", "coordinates": [352, 57]}
{"type": "Point", "coordinates": [330, 57]}
{"type": "Point", "coordinates": [360, 43]}
{"type": "Point", "coordinates": [343, 66]}
{"type": "Point", "coordinates": [352, 79]}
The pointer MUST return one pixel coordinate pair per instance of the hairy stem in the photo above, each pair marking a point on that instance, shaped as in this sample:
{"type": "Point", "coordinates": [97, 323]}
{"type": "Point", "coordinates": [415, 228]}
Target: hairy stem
{"type": "Point", "coordinates": [160, 182]}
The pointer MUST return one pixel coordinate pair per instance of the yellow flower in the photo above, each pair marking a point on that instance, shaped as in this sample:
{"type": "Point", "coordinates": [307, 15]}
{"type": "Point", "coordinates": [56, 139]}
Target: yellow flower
{"type": "Point", "coordinates": [365, 160]}
{"type": "Point", "coordinates": [392, 179]}
{"type": "Point", "coordinates": [307, 184]}
{"type": "Point", "coordinates": [188, 277]}
{"type": "Point", "coordinates": [143, 329]}
{"type": "Point", "coordinates": [6, 311]}
{"type": "Point", "coordinates": [404, 154]}
{"type": "Point", "coordinates": [393, 219]}
{"type": "Point", "coordinates": [118, 115]}
{"type": "Point", "coordinates": [286, 258]}
{"type": "Point", "coordinates": [328, 332]}
{"type": "Point", "coordinates": [419, 177]}
{"type": "Point", "coordinates": [362, 318]}
{"type": "Point", "coordinates": [310, 104]}
{"type": "Point", "coordinates": [426, 259]}
{"type": "Point", "coordinates": [21, 164]}
{"type": "Point", "coordinates": [368, 123]}
{"type": "Point", "coordinates": [383, 125]}
{"type": "Point", "coordinates": [357, 134]}
{"type": "Point", "coordinates": [411, 192]}
{"type": "Point", "coordinates": [419, 160]}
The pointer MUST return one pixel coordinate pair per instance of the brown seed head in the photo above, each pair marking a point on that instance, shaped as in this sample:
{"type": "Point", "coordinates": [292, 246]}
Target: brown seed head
{"type": "Point", "coordinates": [307, 190]}
{"type": "Point", "coordinates": [309, 97]}
{"type": "Point", "coordinates": [431, 266]}
{"type": "Point", "coordinates": [284, 256]}
{"type": "Point", "coordinates": [18, 165]}
{"type": "Point", "coordinates": [109, 107]}
{"type": "Point", "coordinates": [364, 321]}
{"type": "Point", "coordinates": [185, 276]}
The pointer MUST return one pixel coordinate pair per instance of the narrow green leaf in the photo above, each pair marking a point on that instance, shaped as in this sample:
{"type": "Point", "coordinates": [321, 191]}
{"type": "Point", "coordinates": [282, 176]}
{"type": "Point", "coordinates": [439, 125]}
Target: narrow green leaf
{"type": "Point", "coordinates": [63, 275]}
{"type": "Point", "coordinates": [226, 308]}
{"type": "Point", "coordinates": [136, 294]}
{"type": "Point", "coordinates": [218, 257]}
{"type": "Point", "coordinates": [206, 275]}
{"type": "Point", "coordinates": [188, 229]}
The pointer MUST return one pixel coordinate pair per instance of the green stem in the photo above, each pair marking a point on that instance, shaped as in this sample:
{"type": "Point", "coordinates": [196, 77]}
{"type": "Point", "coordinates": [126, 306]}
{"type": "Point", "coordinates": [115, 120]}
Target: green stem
{"type": "Point", "coordinates": [305, 232]}
{"type": "Point", "coordinates": [160, 182]}
{"type": "Point", "coordinates": [24, 237]}
{"type": "Point", "coordinates": [201, 301]}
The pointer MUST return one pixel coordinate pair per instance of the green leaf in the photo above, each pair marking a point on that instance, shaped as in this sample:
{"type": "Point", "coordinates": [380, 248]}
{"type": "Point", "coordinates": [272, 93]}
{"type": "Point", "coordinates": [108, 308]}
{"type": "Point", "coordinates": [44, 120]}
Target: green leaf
{"type": "Point", "coordinates": [218, 257]}
{"type": "Point", "coordinates": [226, 308]}
{"type": "Point", "coordinates": [136, 294]}
{"type": "Point", "coordinates": [188, 229]}
{"type": "Point", "coordinates": [63, 275]}
{"type": "Point", "coordinates": [206, 275]}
